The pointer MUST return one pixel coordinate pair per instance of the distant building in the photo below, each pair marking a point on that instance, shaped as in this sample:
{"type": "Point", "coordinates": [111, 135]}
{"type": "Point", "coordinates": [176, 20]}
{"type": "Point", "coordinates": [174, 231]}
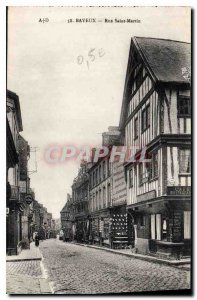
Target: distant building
{"type": "Point", "coordinates": [80, 196]}
{"type": "Point", "coordinates": [24, 183]}
{"type": "Point", "coordinates": [67, 219]}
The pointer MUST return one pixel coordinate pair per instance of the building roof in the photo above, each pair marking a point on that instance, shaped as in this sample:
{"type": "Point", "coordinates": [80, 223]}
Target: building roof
{"type": "Point", "coordinates": [167, 60]}
{"type": "Point", "coordinates": [64, 208]}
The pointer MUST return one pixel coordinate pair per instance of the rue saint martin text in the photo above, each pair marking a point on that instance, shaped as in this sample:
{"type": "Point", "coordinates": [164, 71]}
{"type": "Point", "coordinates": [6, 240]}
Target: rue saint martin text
{"type": "Point", "coordinates": [105, 20]}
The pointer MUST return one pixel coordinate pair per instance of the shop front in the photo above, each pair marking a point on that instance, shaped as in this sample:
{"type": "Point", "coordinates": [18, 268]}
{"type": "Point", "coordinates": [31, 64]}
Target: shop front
{"type": "Point", "coordinates": [163, 226]}
{"type": "Point", "coordinates": [120, 235]}
{"type": "Point", "coordinates": [100, 228]}
{"type": "Point", "coordinates": [82, 230]}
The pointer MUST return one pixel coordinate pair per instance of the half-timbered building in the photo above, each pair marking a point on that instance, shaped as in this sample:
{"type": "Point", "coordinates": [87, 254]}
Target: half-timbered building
{"type": "Point", "coordinates": [156, 114]}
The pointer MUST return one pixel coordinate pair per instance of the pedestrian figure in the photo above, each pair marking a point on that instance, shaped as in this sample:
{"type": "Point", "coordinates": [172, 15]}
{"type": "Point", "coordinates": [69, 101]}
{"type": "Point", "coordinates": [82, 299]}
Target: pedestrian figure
{"type": "Point", "coordinates": [37, 240]}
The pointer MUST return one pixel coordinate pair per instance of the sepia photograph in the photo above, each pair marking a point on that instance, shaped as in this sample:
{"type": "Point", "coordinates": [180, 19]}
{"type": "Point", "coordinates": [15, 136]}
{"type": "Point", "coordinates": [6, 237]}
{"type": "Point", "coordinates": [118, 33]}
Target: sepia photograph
{"type": "Point", "coordinates": [98, 150]}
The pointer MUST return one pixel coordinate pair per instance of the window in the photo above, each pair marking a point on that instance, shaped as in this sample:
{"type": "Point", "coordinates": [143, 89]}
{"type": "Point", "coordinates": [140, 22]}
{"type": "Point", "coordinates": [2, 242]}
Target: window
{"type": "Point", "coordinates": [131, 178]}
{"type": "Point", "coordinates": [100, 205]}
{"type": "Point", "coordinates": [184, 161]}
{"type": "Point", "coordinates": [99, 173]}
{"type": "Point", "coordinates": [146, 118]}
{"type": "Point", "coordinates": [104, 197]}
{"type": "Point", "coordinates": [108, 194]}
{"type": "Point", "coordinates": [148, 115]}
{"type": "Point", "coordinates": [93, 203]}
{"type": "Point", "coordinates": [108, 167]}
{"type": "Point", "coordinates": [104, 173]}
{"type": "Point", "coordinates": [143, 173]}
{"type": "Point", "coordinates": [140, 173]}
{"type": "Point", "coordinates": [136, 128]}
{"type": "Point", "coordinates": [143, 120]}
{"type": "Point", "coordinates": [93, 178]}
{"type": "Point", "coordinates": [96, 200]}
{"type": "Point", "coordinates": [184, 106]}
{"type": "Point", "coordinates": [153, 169]}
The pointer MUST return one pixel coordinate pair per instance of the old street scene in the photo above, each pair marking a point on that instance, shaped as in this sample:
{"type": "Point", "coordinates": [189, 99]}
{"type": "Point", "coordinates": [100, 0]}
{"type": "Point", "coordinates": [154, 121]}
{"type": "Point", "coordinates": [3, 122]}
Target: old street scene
{"type": "Point", "coordinates": [98, 156]}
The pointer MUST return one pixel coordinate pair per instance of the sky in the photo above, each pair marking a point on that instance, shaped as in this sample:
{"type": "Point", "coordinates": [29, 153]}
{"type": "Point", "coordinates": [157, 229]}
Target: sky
{"type": "Point", "coordinates": [65, 98]}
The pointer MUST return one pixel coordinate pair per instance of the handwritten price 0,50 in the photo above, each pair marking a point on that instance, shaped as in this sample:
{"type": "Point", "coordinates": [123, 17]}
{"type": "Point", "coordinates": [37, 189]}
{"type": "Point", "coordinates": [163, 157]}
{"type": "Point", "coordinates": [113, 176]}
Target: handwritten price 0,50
{"type": "Point", "coordinates": [93, 54]}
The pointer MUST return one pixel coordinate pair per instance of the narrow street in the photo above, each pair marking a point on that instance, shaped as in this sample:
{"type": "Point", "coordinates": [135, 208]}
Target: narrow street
{"type": "Point", "coordinates": [74, 269]}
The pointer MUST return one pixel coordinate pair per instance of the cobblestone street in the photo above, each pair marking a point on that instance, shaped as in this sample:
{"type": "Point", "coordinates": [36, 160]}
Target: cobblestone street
{"type": "Point", "coordinates": [73, 269]}
{"type": "Point", "coordinates": [26, 276]}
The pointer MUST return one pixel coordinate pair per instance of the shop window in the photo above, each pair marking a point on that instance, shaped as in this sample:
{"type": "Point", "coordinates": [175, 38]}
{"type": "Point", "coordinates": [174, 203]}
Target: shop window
{"type": "Point", "coordinates": [106, 229]}
{"type": "Point", "coordinates": [187, 224]}
{"type": "Point", "coordinates": [156, 227]}
{"type": "Point", "coordinates": [164, 229]}
{"type": "Point", "coordinates": [184, 106]}
{"type": "Point", "coordinates": [184, 161]}
{"type": "Point", "coordinates": [142, 221]}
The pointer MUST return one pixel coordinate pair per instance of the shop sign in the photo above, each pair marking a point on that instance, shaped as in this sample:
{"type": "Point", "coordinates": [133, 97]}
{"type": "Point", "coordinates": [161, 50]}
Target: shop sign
{"type": "Point", "coordinates": [146, 196]}
{"type": "Point", "coordinates": [178, 190]}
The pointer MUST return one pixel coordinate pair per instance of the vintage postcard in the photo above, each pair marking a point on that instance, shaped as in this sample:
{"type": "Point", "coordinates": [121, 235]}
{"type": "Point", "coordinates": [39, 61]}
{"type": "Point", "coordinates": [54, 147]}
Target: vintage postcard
{"type": "Point", "coordinates": [98, 128]}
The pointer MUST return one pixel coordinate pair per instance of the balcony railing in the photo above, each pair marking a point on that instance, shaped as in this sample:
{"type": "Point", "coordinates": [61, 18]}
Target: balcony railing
{"type": "Point", "coordinates": [14, 193]}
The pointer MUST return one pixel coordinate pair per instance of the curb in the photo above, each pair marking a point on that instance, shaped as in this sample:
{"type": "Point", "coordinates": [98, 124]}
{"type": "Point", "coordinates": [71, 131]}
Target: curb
{"type": "Point", "coordinates": [172, 263]}
{"type": "Point", "coordinates": [46, 278]}
{"type": "Point", "coordinates": [23, 259]}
